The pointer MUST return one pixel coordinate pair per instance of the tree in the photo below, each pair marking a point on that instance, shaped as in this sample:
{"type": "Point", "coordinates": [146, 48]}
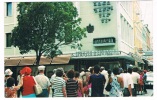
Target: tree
{"type": "Point", "coordinates": [45, 26]}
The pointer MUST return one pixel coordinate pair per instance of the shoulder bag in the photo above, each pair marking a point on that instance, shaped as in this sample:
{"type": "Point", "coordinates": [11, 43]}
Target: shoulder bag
{"type": "Point", "coordinates": [37, 88]}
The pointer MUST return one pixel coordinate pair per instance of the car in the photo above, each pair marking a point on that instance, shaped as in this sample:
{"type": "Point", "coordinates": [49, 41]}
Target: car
{"type": "Point", "coordinates": [149, 81]}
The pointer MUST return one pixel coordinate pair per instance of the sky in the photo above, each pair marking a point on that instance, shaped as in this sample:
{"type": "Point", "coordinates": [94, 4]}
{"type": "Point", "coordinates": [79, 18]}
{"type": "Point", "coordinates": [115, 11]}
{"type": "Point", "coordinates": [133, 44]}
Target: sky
{"type": "Point", "coordinates": [147, 13]}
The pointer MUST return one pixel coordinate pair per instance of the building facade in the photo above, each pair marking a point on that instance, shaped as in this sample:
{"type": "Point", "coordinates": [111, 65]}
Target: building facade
{"type": "Point", "coordinates": [113, 35]}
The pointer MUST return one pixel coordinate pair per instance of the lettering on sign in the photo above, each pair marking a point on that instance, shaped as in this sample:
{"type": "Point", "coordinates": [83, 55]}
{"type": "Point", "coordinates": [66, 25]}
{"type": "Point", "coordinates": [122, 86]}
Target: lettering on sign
{"type": "Point", "coordinates": [104, 41]}
{"type": "Point", "coordinates": [95, 53]}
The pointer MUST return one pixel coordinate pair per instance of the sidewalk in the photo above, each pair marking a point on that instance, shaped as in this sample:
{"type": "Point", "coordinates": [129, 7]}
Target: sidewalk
{"type": "Point", "coordinates": [149, 93]}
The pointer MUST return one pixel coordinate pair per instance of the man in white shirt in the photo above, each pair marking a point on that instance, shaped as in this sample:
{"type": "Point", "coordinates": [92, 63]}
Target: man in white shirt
{"type": "Point", "coordinates": [43, 81]}
{"type": "Point", "coordinates": [105, 73]}
{"type": "Point", "coordinates": [135, 77]}
{"type": "Point", "coordinates": [128, 82]}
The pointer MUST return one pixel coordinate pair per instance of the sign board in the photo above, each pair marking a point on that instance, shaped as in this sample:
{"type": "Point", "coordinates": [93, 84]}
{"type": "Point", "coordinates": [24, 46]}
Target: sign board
{"type": "Point", "coordinates": [108, 41]}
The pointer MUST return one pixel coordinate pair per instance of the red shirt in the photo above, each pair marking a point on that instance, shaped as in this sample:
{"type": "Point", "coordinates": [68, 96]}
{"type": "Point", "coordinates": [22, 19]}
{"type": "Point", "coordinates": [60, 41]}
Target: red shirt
{"type": "Point", "coordinates": [28, 85]}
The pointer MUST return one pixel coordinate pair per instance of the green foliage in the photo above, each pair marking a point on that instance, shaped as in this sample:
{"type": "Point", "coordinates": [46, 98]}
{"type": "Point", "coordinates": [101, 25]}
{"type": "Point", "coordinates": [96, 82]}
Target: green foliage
{"type": "Point", "coordinates": [45, 26]}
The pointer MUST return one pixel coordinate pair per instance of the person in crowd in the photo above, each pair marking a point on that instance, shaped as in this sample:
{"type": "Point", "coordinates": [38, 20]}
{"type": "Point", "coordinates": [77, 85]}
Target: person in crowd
{"type": "Point", "coordinates": [144, 81]}
{"type": "Point", "coordinates": [11, 89]}
{"type": "Point", "coordinates": [116, 83]}
{"type": "Point", "coordinates": [8, 73]}
{"type": "Point", "coordinates": [128, 82]}
{"type": "Point", "coordinates": [105, 73]}
{"type": "Point", "coordinates": [28, 83]}
{"type": "Point", "coordinates": [18, 82]}
{"type": "Point", "coordinates": [59, 84]}
{"type": "Point", "coordinates": [83, 75]}
{"type": "Point", "coordinates": [80, 84]}
{"type": "Point", "coordinates": [98, 81]}
{"type": "Point", "coordinates": [108, 82]}
{"type": "Point", "coordinates": [71, 84]}
{"type": "Point", "coordinates": [140, 89]}
{"type": "Point", "coordinates": [52, 77]}
{"type": "Point", "coordinates": [43, 81]}
{"type": "Point", "coordinates": [135, 77]}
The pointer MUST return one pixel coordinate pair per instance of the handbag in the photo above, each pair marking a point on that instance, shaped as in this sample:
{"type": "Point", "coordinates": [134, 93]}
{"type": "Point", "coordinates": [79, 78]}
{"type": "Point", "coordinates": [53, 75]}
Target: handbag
{"type": "Point", "coordinates": [108, 87]}
{"type": "Point", "coordinates": [37, 88]}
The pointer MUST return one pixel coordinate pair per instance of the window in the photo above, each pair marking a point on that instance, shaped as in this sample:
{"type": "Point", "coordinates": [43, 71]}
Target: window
{"type": "Point", "coordinates": [8, 39]}
{"type": "Point", "coordinates": [9, 9]}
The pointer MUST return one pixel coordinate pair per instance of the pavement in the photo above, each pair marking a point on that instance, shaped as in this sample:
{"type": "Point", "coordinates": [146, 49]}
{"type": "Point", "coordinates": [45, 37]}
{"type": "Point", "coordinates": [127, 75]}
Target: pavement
{"type": "Point", "coordinates": [148, 94]}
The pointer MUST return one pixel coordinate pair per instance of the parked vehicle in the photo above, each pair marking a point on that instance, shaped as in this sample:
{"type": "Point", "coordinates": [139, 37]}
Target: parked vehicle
{"type": "Point", "coordinates": [149, 83]}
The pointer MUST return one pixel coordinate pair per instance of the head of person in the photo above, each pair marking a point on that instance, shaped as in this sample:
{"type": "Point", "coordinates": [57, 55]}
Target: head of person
{"type": "Point", "coordinates": [8, 73]}
{"type": "Point", "coordinates": [109, 72]}
{"type": "Point", "coordinates": [102, 68]}
{"type": "Point", "coordinates": [91, 70]}
{"type": "Point", "coordinates": [96, 69]}
{"type": "Point", "coordinates": [130, 70]}
{"type": "Point", "coordinates": [41, 69]}
{"type": "Point", "coordinates": [59, 72]}
{"type": "Point", "coordinates": [120, 70]}
{"type": "Point", "coordinates": [135, 69]}
{"type": "Point", "coordinates": [26, 71]}
{"type": "Point", "coordinates": [70, 74]}
{"type": "Point", "coordinates": [77, 74]}
{"type": "Point", "coordinates": [10, 82]}
{"type": "Point", "coordinates": [82, 69]}
{"type": "Point", "coordinates": [116, 70]}
{"type": "Point", "coordinates": [145, 71]}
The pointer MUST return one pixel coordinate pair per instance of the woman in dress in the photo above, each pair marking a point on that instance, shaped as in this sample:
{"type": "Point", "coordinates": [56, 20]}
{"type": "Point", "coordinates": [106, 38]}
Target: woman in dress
{"type": "Point", "coordinates": [28, 83]}
{"type": "Point", "coordinates": [116, 83]}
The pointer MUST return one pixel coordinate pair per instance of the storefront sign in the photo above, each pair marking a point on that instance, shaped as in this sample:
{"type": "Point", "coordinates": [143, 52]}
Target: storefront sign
{"type": "Point", "coordinates": [109, 41]}
{"type": "Point", "coordinates": [96, 53]}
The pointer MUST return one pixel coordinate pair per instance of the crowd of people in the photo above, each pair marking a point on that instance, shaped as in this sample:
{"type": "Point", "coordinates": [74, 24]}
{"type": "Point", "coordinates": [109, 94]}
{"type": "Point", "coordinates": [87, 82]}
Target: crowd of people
{"type": "Point", "coordinates": [92, 82]}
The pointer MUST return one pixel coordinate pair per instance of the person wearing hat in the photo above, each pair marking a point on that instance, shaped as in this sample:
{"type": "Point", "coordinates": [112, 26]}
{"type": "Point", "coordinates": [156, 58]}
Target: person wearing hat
{"type": "Point", "coordinates": [43, 81]}
{"type": "Point", "coordinates": [8, 73]}
{"type": "Point", "coordinates": [28, 83]}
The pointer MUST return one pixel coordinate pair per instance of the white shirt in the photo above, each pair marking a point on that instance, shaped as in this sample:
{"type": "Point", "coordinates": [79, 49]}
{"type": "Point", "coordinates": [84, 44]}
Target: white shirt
{"type": "Point", "coordinates": [105, 73]}
{"type": "Point", "coordinates": [127, 79]}
{"type": "Point", "coordinates": [135, 77]}
{"type": "Point", "coordinates": [52, 78]}
{"type": "Point", "coordinates": [43, 81]}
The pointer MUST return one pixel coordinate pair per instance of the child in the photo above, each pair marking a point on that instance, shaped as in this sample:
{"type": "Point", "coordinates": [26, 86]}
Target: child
{"type": "Point", "coordinates": [10, 89]}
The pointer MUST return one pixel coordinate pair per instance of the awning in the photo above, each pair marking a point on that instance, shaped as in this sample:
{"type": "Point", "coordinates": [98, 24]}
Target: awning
{"type": "Point", "coordinates": [44, 60]}
{"type": "Point", "coordinates": [22, 61]}
{"type": "Point", "coordinates": [27, 61]}
{"type": "Point", "coordinates": [137, 58]}
{"type": "Point", "coordinates": [61, 59]}
{"type": "Point", "coordinates": [11, 61]}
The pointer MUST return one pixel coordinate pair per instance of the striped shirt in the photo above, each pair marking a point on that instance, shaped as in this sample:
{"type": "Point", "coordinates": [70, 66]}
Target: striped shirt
{"type": "Point", "coordinates": [58, 83]}
{"type": "Point", "coordinates": [71, 88]}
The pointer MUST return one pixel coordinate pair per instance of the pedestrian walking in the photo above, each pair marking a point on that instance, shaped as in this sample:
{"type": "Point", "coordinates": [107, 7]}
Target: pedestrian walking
{"type": "Point", "coordinates": [11, 89]}
{"type": "Point", "coordinates": [28, 83]}
{"type": "Point", "coordinates": [43, 81]}
{"type": "Point", "coordinates": [144, 81]}
{"type": "Point", "coordinates": [128, 82]}
{"type": "Point", "coordinates": [52, 77]}
{"type": "Point", "coordinates": [59, 84]}
{"type": "Point", "coordinates": [135, 77]}
{"type": "Point", "coordinates": [97, 81]}
{"type": "Point", "coordinates": [140, 89]}
{"type": "Point", "coordinates": [108, 86]}
{"type": "Point", "coordinates": [105, 73]}
{"type": "Point", "coordinates": [80, 85]}
{"type": "Point", "coordinates": [8, 73]}
{"type": "Point", "coordinates": [116, 83]}
{"type": "Point", "coordinates": [18, 82]}
{"type": "Point", "coordinates": [71, 84]}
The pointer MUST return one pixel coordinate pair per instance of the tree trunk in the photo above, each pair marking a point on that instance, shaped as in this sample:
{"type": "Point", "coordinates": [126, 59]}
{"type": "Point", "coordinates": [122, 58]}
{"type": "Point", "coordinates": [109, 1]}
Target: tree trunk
{"type": "Point", "coordinates": [38, 56]}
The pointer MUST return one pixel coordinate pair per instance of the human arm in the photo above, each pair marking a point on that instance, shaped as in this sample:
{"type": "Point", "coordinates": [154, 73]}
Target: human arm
{"type": "Point", "coordinates": [64, 91]}
{"type": "Point", "coordinates": [130, 89]}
